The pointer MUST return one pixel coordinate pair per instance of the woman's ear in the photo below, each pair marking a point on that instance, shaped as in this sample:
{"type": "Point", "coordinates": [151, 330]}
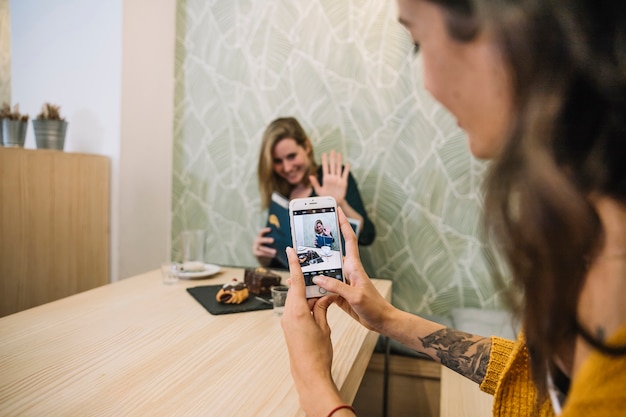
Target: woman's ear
{"type": "Point", "coordinates": [308, 148]}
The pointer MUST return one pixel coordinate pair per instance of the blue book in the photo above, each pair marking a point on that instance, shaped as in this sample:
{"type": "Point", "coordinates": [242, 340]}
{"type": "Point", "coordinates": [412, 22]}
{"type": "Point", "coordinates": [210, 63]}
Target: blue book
{"type": "Point", "coordinates": [278, 221]}
{"type": "Point", "coordinates": [323, 241]}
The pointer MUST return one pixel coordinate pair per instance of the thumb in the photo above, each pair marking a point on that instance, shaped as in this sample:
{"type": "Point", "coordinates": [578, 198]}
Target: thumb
{"type": "Point", "coordinates": [332, 284]}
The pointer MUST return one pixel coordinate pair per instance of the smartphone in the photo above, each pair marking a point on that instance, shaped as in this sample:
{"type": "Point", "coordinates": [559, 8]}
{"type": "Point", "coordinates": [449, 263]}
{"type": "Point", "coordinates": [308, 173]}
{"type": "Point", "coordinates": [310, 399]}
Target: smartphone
{"type": "Point", "coordinates": [316, 237]}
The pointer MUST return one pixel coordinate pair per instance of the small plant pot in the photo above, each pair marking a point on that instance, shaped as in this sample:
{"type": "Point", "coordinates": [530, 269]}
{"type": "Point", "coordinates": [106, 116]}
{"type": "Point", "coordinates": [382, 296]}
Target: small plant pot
{"type": "Point", "coordinates": [14, 132]}
{"type": "Point", "coordinates": [50, 134]}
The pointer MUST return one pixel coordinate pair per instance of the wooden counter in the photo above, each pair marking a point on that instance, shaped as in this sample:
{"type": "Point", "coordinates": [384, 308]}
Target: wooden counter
{"type": "Point", "coordinates": [138, 347]}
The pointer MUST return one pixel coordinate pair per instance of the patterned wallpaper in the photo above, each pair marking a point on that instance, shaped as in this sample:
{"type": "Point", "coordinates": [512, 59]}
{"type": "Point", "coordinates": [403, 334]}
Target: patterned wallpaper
{"type": "Point", "coordinates": [345, 69]}
{"type": "Point", "coordinates": [5, 53]}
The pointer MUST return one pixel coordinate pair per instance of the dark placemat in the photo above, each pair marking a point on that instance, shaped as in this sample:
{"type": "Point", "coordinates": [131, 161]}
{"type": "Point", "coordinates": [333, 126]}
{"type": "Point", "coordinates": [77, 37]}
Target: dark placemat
{"type": "Point", "coordinates": [205, 295]}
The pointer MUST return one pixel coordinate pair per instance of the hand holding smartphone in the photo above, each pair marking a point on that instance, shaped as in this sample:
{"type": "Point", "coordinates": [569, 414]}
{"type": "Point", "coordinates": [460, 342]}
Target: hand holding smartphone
{"type": "Point", "coordinates": [316, 237]}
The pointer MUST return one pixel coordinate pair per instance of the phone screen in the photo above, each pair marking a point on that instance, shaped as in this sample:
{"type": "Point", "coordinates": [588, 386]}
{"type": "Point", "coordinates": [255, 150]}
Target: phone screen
{"type": "Point", "coordinates": [318, 242]}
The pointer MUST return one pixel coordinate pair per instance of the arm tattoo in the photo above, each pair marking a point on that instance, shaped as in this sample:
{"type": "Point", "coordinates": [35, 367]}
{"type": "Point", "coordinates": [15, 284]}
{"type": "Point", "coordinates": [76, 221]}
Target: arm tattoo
{"type": "Point", "coordinates": [462, 352]}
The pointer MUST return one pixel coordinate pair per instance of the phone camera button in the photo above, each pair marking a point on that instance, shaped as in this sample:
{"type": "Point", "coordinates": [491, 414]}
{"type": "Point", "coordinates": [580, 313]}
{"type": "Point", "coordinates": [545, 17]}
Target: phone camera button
{"type": "Point", "coordinates": [323, 291]}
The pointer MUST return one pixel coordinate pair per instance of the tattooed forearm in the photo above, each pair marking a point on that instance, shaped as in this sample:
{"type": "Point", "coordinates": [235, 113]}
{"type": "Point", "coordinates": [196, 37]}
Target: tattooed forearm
{"type": "Point", "coordinates": [462, 352]}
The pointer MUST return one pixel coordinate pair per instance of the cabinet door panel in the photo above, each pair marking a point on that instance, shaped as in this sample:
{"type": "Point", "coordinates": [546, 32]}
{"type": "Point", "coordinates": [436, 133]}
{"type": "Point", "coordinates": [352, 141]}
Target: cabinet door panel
{"type": "Point", "coordinates": [54, 226]}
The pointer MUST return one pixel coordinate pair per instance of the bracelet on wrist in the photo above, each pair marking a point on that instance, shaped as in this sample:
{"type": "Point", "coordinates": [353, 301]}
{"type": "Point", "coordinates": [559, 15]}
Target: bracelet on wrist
{"type": "Point", "coordinates": [340, 407]}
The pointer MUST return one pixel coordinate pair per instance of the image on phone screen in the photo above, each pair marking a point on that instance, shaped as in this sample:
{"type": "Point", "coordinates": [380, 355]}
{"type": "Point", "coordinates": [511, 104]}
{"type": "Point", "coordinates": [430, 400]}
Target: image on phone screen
{"type": "Point", "coordinates": [318, 242]}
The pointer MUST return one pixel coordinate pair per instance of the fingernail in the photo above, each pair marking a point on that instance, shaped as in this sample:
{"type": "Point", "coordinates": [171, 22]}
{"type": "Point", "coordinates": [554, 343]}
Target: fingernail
{"type": "Point", "coordinates": [318, 279]}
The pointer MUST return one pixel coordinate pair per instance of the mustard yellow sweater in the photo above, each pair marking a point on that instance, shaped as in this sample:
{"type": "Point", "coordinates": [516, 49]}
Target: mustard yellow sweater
{"type": "Point", "coordinates": [598, 390]}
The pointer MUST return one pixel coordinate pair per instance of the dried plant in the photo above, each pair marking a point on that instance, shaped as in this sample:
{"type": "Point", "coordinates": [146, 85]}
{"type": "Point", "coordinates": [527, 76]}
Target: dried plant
{"type": "Point", "coordinates": [6, 113]}
{"type": "Point", "coordinates": [50, 112]}
{"type": "Point", "coordinates": [5, 110]}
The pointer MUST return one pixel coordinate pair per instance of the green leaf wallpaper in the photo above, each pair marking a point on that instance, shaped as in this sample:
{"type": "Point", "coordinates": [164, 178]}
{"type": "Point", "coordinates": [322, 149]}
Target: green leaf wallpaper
{"type": "Point", "coordinates": [345, 69]}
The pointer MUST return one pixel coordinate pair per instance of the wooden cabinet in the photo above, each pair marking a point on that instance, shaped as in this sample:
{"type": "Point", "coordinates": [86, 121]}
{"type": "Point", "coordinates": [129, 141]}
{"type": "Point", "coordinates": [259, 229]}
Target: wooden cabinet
{"type": "Point", "coordinates": [413, 390]}
{"type": "Point", "coordinates": [461, 397]}
{"type": "Point", "coordinates": [419, 387]}
{"type": "Point", "coordinates": [54, 225]}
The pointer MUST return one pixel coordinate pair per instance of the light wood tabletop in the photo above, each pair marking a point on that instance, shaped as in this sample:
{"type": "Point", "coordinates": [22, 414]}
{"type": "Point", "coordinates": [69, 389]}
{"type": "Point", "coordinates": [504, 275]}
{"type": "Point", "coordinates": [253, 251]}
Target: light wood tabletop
{"type": "Point", "coordinates": [138, 347]}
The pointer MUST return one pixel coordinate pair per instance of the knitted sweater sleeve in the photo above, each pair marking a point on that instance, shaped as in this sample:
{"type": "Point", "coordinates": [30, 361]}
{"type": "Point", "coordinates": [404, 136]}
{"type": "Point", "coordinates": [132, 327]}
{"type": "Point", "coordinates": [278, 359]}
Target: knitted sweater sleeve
{"type": "Point", "coordinates": [501, 350]}
{"type": "Point", "coordinates": [508, 380]}
{"type": "Point", "coordinates": [597, 389]}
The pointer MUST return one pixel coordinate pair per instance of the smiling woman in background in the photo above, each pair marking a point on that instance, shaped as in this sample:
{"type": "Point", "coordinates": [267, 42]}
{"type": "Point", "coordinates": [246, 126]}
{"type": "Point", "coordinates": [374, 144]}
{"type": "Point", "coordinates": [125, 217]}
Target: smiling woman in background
{"type": "Point", "coordinates": [287, 166]}
{"type": "Point", "coordinates": [323, 232]}
{"type": "Point", "coordinates": [540, 87]}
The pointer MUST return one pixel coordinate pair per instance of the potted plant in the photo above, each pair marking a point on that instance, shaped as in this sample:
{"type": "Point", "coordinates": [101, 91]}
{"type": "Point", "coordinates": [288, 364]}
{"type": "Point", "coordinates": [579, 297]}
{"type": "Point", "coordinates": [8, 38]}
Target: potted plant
{"type": "Point", "coordinates": [14, 125]}
{"type": "Point", "coordinates": [50, 128]}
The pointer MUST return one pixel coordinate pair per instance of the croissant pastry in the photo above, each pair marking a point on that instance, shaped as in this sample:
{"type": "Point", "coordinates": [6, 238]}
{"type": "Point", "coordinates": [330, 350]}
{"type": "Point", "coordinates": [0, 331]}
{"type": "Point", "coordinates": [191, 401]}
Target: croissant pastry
{"type": "Point", "coordinates": [234, 292]}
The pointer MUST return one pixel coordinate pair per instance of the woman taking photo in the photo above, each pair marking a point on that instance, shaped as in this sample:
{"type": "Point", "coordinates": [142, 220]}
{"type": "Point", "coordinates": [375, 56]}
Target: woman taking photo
{"type": "Point", "coordinates": [287, 166]}
{"type": "Point", "coordinates": [540, 87]}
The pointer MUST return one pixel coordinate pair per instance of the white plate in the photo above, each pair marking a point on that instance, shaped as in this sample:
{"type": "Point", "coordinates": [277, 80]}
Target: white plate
{"type": "Point", "coordinates": [209, 269]}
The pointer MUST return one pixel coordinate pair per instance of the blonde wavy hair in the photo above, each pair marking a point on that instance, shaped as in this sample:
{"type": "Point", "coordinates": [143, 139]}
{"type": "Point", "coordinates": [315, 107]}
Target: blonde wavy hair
{"type": "Point", "coordinates": [269, 181]}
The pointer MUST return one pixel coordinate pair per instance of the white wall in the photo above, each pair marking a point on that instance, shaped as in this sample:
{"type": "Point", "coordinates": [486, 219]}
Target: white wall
{"type": "Point", "coordinates": [97, 60]}
{"type": "Point", "coordinates": [147, 132]}
{"type": "Point", "coordinates": [5, 52]}
{"type": "Point", "coordinates": [68, 52]}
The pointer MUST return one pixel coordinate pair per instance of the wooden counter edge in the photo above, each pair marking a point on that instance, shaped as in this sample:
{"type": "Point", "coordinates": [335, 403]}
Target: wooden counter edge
{"type": "Point", "coordinates": [353, 380]}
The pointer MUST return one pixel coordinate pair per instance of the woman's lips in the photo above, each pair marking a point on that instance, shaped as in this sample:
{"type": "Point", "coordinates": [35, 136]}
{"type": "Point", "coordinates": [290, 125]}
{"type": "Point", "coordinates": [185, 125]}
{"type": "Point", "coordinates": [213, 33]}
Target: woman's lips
{"type": "Point", "coordinates": [292, 178]}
